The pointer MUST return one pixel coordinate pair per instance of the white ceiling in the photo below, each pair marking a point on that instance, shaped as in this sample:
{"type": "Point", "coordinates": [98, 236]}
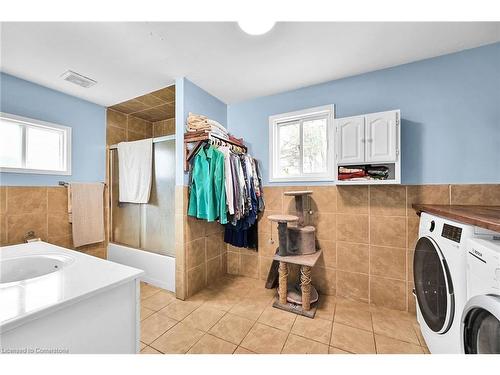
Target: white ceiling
{"type": "Point", "coordinates": [132, 59]}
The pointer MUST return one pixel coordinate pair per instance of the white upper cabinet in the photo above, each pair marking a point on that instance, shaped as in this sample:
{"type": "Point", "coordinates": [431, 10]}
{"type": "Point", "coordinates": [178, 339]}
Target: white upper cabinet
{"type": "Point", "coordinates": [350, 139]}
{"type": "Point", "coordinates": [381, 137]}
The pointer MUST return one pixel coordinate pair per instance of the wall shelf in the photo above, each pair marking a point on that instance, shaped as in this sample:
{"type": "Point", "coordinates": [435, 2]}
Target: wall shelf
{"type": "Point", "coordinates": [201, 137]}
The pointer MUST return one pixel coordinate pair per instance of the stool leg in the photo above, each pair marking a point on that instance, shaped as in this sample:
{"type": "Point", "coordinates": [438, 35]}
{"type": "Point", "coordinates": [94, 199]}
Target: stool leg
{"type": "Point", "coordinates": [305, 285]}
{"type": "Point", "coordinates": [283, 282]}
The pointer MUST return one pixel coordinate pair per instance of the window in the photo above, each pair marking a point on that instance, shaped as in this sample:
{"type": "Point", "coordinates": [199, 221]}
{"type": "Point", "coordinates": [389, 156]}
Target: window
{"type": "Point", "coordinates": [33, 146]}
{"type": "Point", "coordinates": [301, 145]}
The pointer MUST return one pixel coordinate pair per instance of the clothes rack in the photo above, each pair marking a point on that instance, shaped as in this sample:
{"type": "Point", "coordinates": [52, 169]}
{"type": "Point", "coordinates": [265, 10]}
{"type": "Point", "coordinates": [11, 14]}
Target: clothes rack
{"type": "Point", "coordinates": [202, 137]}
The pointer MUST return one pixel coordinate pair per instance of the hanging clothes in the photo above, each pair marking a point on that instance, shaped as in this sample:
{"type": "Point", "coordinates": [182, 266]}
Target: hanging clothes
{"type": "Point", "coordinates": [207, 198]}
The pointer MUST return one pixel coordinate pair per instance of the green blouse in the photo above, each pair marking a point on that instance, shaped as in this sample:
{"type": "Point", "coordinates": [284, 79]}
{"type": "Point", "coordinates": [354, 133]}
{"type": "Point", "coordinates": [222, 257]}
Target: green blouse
{"type": "Point", "coordinates": [207, 198]}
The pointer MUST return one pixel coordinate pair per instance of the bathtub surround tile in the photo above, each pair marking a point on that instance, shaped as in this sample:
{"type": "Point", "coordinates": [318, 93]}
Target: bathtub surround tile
{"type": "Point", "coordinates": [263, 339]}
{"type": "Point", "coordinates": [154, 326]}
{"type": "Point", "coordinates": [212, 345]}
{"type": "Point", "coordinates": [232, 328]}
{"type": "Point", "coordinates": [300, 345]}
{"type": "Point", "coordinates": [115, 135]}
{"type": "Point", "coordinates": [57, 200]}
{"type": "Point", "coordinates": [19, 225]}
{"type": "Point", "coordinates": [352, 339]}
{"type": "Point", "coordinates": [177, 340]}
{"type": "Point", "coordinates": [26, 200]}
{"type": "Point", "coordinates": [58, 225]}
{"type": "Point", "coordinates": [116, 119]}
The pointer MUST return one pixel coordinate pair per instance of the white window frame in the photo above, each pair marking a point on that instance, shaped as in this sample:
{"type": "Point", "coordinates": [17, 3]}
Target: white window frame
{"type": "Point", "coordinates": [29, 122]}
{"type": "Point", "coordinates": [302, 115]}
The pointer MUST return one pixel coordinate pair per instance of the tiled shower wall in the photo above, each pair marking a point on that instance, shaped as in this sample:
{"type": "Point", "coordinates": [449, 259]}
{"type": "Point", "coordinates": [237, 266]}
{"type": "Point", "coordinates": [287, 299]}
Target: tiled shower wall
{"type": "Point", "coordinates": [43, 210]}
{"type": "Point", "coordinates": [367, 234]}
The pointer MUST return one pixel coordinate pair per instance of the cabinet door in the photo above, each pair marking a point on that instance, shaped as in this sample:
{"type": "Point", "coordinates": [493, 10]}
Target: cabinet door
{"type": "Point", "coordinates": [381, 137]}
{"type": "Point", "coordinates": [351, 137]}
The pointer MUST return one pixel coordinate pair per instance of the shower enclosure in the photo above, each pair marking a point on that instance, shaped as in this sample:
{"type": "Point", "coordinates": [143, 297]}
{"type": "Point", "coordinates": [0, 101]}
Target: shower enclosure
{"type": "Point", "coordinates": [143, 235]}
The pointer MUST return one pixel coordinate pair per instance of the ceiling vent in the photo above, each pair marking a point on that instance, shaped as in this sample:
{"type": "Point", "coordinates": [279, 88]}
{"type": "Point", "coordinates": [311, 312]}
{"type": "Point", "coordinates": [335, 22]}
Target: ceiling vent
{"type": "Point", "coordinates": [78, 79]}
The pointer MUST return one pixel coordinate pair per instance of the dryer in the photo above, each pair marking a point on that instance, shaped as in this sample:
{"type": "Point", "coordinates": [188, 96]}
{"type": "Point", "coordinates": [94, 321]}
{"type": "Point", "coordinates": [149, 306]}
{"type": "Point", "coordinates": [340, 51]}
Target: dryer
{"type": "Point", "coordinates": [480, 323]}
{"type": "Point", "coordinates": [440, 281]}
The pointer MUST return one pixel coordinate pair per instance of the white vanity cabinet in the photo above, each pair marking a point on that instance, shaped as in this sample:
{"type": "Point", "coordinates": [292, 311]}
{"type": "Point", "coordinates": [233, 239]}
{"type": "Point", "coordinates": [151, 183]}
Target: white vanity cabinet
{"type": "Point", "coordinates": [369, 139]}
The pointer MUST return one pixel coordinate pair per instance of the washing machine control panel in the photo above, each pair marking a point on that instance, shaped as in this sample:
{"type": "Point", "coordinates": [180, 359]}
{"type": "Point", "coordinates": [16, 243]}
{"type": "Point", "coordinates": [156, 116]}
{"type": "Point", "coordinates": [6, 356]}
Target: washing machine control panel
{"type": "Point", "coordinates": [451, 232]}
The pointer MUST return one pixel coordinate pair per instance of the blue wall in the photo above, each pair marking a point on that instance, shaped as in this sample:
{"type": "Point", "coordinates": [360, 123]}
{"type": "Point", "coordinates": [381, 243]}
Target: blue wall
{"type": "Point", "coordinates": [87, 120]}
{"type": "Point", "coordinates": [191, 98]}
{"type": "Point", "coordinates": [450, 109]}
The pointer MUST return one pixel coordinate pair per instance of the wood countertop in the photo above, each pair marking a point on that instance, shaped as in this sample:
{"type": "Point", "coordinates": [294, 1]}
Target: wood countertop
{"type": "Point", "coordinates": [487, 217]}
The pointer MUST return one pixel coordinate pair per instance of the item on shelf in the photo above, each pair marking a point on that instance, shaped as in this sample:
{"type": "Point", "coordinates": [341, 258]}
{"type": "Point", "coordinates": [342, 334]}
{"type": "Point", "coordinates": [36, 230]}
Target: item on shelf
{"type": "Point", "coordinates": [378, 172]}
{"type": "Point", "coordinates": [351, 170]}
{"type": "Point", "coordinates": [202, 123]}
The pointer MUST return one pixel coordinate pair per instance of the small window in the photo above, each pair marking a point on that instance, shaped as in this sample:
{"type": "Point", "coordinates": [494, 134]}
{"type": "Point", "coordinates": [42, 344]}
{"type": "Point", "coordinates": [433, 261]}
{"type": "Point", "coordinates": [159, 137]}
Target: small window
{"type": "Point", "coordinates": [33, 146]}
{"type": "Point", "coordinates": [301, 145]}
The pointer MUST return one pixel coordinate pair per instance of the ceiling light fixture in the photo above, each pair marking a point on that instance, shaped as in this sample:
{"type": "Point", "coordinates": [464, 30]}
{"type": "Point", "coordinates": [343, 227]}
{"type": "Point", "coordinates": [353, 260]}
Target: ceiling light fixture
{"type": "Point", "coordinates": [256, 27]}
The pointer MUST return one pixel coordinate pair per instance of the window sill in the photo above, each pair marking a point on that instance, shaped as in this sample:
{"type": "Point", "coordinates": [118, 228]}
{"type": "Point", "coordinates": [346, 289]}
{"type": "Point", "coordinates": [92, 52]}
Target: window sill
{"type": "Point", "coordinates": [34, 171]}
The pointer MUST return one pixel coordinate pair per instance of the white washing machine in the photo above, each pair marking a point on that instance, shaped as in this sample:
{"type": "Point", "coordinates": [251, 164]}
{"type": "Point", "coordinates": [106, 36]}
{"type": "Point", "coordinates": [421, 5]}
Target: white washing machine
{"type": "Point", "coordinates": [440, 281]}
{"type": "Point", "coordinates": [480, 325]}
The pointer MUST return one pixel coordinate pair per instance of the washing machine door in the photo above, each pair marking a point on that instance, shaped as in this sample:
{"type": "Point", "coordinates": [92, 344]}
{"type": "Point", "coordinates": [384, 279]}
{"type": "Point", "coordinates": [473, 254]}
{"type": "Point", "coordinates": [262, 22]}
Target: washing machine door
{"type": "Point", "coordinates": [433, 285]}
{"type": "Point", "coordinates": [481, 325]}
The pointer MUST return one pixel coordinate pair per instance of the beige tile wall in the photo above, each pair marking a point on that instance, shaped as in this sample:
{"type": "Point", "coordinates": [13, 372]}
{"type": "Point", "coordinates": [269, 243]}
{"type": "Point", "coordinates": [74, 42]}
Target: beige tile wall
{"type": "Point", "coordinates": [121, 127]}
{"type": "Point", "coordinates": [200, 249]}
{"type": "Point", "coordinates": [367, 234]}
{"type": "Point", "coordinates": [164, 127]}
{"type": "Point", "coordinates": [42, 210]}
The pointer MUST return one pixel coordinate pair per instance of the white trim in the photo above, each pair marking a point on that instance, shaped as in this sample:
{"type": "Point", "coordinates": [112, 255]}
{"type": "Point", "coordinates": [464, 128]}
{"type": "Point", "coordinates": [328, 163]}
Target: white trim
{"type": "Point", "coordinates": [31, 122]}
{"type": "Point", "coordinates": [274, 120]}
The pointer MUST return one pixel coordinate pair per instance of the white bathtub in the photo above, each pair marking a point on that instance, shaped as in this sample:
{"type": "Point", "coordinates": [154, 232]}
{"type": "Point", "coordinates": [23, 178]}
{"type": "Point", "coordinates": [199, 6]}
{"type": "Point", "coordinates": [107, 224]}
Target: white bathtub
{"type": "Point", "coordinates": [159, 270]}
{"type": "Point", "coordinates": [56, 300]}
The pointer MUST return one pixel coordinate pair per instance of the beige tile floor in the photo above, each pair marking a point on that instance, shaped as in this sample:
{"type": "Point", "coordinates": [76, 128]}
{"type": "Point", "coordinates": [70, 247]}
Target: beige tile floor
{"type": "Point", "coordinates": [236, 316]}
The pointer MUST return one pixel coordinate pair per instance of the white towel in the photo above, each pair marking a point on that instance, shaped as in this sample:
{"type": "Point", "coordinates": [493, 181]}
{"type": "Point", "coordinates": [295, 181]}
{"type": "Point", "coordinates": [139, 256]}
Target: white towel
{"type": "Point", "coordinates": [135, 166]}
{"type": "Point", "coordinates": [87, 205]}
